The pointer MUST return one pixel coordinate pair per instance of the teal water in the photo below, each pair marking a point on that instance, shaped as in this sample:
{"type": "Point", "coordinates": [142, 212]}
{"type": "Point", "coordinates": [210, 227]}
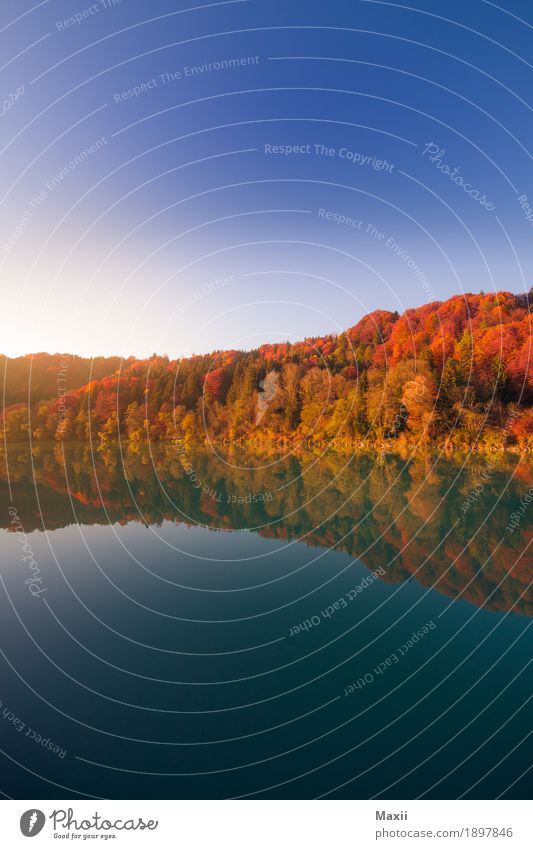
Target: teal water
{"type": "Point", "coordinates": [227, 623]}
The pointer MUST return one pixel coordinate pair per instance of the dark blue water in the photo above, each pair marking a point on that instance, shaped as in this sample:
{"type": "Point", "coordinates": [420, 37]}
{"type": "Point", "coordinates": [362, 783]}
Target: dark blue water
{"type": "Point", "coordinates": [185, 641]}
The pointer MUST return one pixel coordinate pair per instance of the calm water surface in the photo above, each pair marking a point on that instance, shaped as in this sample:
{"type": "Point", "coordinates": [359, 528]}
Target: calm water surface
{"type": "Point", "coordinates": [242, 625]}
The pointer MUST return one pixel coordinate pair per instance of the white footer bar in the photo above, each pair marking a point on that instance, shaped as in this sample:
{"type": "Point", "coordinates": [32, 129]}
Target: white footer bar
{"type": "Point", "coordinates": [267, 824]}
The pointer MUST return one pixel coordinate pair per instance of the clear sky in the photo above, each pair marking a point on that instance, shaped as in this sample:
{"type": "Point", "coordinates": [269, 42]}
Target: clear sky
{"type": "Point", "coordinates": [179, 176]}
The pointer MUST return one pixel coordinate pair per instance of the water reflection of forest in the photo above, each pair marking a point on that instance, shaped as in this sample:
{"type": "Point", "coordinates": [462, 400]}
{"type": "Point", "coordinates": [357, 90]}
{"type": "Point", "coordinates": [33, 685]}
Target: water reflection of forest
{"type": "Point", "coordinates": [441, 520]}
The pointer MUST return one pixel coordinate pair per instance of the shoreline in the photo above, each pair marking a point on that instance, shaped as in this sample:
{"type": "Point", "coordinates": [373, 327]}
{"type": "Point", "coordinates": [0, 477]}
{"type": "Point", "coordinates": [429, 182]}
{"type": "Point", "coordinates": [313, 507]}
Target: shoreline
{"type": "Point", "coordinates": [392, 447]}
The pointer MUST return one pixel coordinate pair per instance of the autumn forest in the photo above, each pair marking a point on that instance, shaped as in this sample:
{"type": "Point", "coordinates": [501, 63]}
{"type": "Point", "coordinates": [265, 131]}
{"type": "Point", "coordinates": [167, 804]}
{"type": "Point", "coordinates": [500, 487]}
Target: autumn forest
{"type": "Point", "coordinates": [458, 372]}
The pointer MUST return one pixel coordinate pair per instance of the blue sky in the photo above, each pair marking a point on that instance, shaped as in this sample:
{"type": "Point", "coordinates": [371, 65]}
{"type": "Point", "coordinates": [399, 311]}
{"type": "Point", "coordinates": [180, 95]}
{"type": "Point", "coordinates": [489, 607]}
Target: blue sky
{"type": "Point", "coordinates": [180, 177]}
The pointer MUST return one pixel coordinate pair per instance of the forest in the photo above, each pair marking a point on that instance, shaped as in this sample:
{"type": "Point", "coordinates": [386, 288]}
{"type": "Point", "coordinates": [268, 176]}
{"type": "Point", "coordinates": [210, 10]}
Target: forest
{"type": "Point", "coordinates": [458, 373]}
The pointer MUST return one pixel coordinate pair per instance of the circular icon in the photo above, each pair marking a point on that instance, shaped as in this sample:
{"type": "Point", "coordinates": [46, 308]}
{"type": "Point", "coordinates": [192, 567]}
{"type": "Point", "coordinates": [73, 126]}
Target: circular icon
{"type": "Point", "coordinates": [32, 822]}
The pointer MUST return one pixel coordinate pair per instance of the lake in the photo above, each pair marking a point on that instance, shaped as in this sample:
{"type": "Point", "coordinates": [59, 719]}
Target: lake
{"type": "Point", "coordinates": [217, 623]}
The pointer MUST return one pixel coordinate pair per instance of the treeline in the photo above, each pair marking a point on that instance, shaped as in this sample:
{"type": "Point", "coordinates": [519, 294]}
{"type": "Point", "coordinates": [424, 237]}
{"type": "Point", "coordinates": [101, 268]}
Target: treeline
{"type": "Point", "coordinates": [42, 372]}
{"type": "Point", "coordinates": [458, 372]}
